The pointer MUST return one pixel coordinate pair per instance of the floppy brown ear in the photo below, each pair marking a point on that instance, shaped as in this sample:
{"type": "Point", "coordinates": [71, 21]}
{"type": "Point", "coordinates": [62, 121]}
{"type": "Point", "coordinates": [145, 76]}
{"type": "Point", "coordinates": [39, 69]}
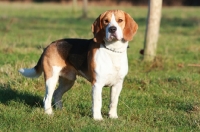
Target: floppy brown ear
{"type": "Point", "coordinates": [130, 28]}
{"type": "Point", "coordinates": [97, 30]}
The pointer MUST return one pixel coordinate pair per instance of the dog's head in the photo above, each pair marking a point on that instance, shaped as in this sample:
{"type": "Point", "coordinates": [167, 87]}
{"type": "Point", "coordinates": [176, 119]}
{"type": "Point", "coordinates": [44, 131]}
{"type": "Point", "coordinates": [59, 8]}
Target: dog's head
{"type": "Point", "coordinates": [114, 25]}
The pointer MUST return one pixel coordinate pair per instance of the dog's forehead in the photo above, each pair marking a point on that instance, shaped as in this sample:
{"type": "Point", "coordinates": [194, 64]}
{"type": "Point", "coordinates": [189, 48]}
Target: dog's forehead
{"type": "Point", "coordinates": [116, 13]}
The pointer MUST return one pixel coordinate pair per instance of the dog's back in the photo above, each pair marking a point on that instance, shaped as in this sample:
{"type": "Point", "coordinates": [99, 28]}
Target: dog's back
{"type": "Point", "coordinates": [64, 53]}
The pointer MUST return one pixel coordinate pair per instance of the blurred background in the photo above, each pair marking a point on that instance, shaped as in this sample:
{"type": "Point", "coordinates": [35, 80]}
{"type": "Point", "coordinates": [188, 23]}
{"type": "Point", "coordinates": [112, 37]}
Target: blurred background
{"type": "Point", "coordinates": [159, 96]}
{"type": "Point", "coordinates": [122, 2]}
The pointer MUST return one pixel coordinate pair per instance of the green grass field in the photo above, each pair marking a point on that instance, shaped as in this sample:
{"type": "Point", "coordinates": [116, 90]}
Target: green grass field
{"type": "Point", "coordinates": [159, 96]}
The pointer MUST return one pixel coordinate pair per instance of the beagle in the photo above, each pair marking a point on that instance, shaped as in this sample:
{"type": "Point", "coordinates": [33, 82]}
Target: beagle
{"type": "Point", "coordinates": [101, 60]}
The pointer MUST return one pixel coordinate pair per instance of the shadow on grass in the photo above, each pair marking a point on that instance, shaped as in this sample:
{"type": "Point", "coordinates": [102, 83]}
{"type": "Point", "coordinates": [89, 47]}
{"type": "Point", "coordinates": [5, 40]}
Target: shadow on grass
{"type": "Point", "coordinates": [7, 94]}
{"type": "Point", "coordinates": [176, 104]}
{"type": "Point", "coordinates": [187, 107]}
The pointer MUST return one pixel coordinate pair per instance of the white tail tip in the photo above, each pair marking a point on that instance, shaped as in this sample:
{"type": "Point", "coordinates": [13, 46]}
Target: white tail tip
{"type": "Point", "coordinates": [29, 72]}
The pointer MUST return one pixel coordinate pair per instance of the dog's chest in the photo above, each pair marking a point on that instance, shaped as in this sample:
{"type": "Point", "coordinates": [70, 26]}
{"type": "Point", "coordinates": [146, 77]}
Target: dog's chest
{"type": "Point", "coordinates": [110, 66]}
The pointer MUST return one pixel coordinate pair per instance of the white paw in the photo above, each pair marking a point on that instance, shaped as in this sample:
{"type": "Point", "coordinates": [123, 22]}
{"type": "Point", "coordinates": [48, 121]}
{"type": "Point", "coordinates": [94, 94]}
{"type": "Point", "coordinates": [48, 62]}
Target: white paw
{"type": "Point", "coordinates": [97, 117]}
{"type": "Point", "coordinates": [49, 111]}
{"type": "Point", "coordinates": [113, 116]}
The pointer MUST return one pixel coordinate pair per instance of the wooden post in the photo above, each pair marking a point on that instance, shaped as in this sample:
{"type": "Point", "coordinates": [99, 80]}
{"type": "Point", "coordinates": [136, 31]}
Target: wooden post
{"type": "Point", "coordinates": [85, 4]}
{"type": "Point", "coordinates": [152, 29]}
{"type": "Point", "coordinates": [74, 6]}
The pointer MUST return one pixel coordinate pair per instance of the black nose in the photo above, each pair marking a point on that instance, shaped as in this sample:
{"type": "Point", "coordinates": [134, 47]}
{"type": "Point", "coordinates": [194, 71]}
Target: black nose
{"type": "Point", "coordinates": [112, 29]}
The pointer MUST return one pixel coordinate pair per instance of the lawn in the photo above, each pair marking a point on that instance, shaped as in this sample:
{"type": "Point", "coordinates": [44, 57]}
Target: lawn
{"type": "Point", "coordinates": [160, 96]}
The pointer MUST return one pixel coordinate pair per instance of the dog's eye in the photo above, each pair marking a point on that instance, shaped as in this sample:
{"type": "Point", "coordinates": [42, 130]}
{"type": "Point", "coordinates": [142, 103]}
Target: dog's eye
{"type": "Point", "coordinates": [120, 20]}
{"type": "Point", "coordinates": [106, 20]}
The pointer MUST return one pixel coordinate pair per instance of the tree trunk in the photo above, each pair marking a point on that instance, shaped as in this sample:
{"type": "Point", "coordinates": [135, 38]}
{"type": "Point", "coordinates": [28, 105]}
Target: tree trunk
{"type": "Point", "coordinates": [85, 4]}
{"type": "Point", "coordinates": [152, 29]}
{"type": "Point", "coordinates": [74, 6]}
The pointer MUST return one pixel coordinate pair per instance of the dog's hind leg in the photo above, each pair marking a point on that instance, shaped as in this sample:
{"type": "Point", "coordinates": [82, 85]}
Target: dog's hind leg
{"type": "Point", "coordinates": [50, 87]}
{"type": "Point", "coordinates": [64, 86]}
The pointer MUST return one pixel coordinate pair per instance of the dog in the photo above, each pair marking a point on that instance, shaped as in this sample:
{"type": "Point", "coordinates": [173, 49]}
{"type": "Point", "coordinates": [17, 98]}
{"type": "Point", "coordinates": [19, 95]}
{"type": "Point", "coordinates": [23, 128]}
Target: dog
{"type": "Point", "coordinates": [102, 60]}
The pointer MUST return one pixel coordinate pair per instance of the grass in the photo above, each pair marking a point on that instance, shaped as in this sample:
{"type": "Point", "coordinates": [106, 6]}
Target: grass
{"type": "Point", "coordinates": [159, 96]}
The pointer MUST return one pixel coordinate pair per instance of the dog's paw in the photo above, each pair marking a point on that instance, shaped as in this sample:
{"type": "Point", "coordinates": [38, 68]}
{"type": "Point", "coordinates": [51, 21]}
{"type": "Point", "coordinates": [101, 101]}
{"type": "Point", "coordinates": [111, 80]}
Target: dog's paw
{"type": "Point", "coordinates": [58, 105]}
{"type": "Point", "coordinates": [98, 117]}
{"type": "Point", "coordinates": [49, 111]}
{"type": "Point", "coordinates": [113, 116]}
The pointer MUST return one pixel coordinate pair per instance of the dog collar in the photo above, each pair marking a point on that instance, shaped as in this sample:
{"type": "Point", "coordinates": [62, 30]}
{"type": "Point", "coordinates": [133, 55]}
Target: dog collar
{"type": "Point", "coordinates": [111, 49]}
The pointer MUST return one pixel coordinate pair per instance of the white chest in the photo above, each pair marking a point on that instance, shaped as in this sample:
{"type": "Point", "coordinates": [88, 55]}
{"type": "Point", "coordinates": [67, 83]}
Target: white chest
{"type": "Point", "coordinates": [110, 66]}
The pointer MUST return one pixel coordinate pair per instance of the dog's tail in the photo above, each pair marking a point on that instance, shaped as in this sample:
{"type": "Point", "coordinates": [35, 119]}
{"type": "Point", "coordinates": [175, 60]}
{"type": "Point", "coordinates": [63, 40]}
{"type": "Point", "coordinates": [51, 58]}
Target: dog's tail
{"type": "Point", "coordinates": [33, 72]}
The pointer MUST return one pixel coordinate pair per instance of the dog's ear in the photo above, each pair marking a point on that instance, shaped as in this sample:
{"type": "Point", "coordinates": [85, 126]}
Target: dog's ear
{"type": "Point", "coordinates": [130, 28]}
{"type": "Point", "coordinates": [97, 30]}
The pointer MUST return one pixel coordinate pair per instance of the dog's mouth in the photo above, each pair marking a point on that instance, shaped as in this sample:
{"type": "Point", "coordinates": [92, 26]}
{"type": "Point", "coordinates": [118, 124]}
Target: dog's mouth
{"type": "Point", "coordinates": [113, 37]}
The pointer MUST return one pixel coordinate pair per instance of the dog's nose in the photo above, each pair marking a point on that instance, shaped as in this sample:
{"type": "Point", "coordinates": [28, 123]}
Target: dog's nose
{"type": "Point", "coordinates": [112, 29]}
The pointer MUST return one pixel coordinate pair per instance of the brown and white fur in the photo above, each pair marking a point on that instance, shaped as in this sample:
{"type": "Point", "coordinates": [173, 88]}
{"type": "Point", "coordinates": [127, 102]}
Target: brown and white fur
{"type": "Point", "coordinates": [105, 62]}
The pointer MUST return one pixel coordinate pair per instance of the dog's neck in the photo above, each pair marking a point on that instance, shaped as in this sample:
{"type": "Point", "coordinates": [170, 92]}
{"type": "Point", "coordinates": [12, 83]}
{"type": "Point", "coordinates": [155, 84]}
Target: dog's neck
{"type": "Point", "coordinates": [116, 46]}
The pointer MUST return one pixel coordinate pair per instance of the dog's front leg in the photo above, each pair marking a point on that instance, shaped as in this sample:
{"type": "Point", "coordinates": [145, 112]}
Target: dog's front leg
{"type": "Point", "coordinates": [115, 91]}
{"type": "Point", "coordinates": [97, 101]}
